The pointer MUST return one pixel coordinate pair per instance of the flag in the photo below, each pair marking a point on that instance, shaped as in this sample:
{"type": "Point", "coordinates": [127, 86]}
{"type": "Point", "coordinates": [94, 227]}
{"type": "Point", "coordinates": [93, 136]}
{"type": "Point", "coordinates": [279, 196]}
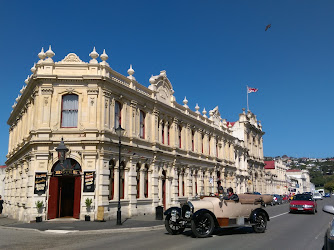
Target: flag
{"type": "Point", "coordinates": [250, 90]}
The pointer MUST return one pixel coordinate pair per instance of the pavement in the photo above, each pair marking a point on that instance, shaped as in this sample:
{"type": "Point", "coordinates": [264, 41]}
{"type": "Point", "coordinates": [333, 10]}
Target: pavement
{"type": "Point", "coordinates": [71, 225]}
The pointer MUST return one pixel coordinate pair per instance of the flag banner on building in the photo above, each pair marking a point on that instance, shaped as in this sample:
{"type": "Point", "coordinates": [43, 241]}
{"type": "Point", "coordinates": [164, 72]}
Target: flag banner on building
{"type": "Point", "coordinates": [251, 90]}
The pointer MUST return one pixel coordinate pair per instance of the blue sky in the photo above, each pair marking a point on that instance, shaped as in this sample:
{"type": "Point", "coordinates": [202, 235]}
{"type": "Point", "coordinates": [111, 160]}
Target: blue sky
{"type": "Point", "coordinates": [210, 49]}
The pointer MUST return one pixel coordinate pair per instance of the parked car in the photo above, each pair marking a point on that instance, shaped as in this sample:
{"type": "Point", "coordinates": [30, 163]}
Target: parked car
{"type": "Point", "coordinates": [317, 196]}
{"type": "Point", "coordinates": [285, 198]}
{"type": "Point", "coordinates": [327, 195]}
{"type": "Point", "coordinates": [303, 203]}
{"type": "Point", "coordinates": [329, 236]}
{"type": "Point", "coordinates": [277, 199]}
{"type": "Point", "coordinates": [205, 215]}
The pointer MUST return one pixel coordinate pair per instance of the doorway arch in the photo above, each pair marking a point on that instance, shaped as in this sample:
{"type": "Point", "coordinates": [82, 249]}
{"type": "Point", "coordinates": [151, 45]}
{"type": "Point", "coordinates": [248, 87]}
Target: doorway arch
{"type": "Point", "coordinates": [65, 190]}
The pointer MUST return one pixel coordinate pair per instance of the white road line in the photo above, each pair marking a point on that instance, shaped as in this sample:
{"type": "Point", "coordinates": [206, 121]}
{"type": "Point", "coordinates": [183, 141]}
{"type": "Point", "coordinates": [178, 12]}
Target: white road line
{"type": "Point", "coordinates": [60, 231]}
{"type": "Point", "coordinates": [278, 215]}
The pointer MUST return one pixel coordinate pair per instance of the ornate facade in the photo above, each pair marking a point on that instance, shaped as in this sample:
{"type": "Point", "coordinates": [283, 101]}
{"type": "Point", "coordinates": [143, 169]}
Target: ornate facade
{"type": "Point", "coordinates": [169, 152]}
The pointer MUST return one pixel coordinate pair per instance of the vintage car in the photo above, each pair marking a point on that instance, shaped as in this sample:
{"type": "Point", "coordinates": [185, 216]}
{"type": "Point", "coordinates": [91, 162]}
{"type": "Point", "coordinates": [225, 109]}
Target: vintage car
{"type": "Point", "coordinates": [208, 213]}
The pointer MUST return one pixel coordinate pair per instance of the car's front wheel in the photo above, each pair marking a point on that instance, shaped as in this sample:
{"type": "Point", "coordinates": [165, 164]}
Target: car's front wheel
{"type": "Point", "coordinates": [172, 227]}
{"type": "Point", "coordinates": [260, 223]}
{"type": "Point", "coordinates": [203, 225]}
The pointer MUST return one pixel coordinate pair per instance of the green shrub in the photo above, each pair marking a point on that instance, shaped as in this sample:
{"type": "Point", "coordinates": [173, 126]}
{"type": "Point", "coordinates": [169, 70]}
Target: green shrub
{"type": "Point", "coordinates": [88, 202]}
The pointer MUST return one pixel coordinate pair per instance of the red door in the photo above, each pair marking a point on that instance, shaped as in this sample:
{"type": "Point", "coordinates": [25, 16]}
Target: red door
{"type": "Point", "coordinates": [77, 197]}
{"type": "Point", "coordinates": [53, 198]}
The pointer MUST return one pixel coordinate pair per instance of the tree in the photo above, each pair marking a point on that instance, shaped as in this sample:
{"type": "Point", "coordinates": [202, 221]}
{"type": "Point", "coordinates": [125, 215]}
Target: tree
{"type": "Point", "coordinates": [329, 186]}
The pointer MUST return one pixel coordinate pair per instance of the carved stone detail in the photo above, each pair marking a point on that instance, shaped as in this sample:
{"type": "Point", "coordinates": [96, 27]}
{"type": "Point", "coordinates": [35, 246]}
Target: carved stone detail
{"type": "Point", "coordinates": [71, 58]}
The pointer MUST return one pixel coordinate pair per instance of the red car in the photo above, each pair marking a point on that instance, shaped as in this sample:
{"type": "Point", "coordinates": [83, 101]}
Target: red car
{"type": "Point", "coordinates": [303, 203]}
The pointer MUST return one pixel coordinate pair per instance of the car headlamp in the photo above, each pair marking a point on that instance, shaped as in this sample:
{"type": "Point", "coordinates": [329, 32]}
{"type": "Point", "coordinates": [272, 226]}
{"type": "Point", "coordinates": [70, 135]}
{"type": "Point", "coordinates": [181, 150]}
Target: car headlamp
{"type": "Point", "coordinates": [187, 214]}
{"type": "Point", "coordinates": [173, 212]}
{"type": "Point", "coordinates": [308, 206]}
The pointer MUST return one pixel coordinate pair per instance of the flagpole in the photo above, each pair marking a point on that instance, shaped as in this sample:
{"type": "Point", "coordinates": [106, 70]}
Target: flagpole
{"type": "Point", "coordinates": [247, 99]}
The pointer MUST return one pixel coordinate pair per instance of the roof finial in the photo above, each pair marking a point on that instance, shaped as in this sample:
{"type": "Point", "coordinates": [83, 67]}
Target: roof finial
{"type": "Point", "coordinates": [41, 55]}
{"type": "Point", "coordinates": [93, 55]}
{"type": "Point", "coordinates": [185, 101]}
{"type": "Point", "coordinates": [33, 68]}
{"type": "Point", "coordinates": [204, 113]}
{"type": "Point", "coordinates": [49, 54]}
{"type": "Point", "coordinates": [131, 72]}
{"type": "Point", "coordinates": [104, 56]}
{"type": "Point", "coordinates": [197, 109]}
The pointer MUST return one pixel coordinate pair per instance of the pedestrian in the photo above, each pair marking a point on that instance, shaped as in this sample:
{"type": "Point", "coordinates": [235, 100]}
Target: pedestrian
{"type": "Point", "coordinates": [231, 195]}
{"type": "Point", "coordinates": [1, 206]}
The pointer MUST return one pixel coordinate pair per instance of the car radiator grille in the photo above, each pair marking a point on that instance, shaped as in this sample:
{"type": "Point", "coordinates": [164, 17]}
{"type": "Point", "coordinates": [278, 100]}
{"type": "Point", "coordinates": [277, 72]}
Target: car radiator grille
{"type": "Point", "coordinates": [184, 209]}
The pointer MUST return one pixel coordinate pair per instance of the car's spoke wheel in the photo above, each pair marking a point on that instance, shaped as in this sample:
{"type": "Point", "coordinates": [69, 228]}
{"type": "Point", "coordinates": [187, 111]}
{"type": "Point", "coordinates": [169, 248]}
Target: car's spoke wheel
{"type": "Point", "coordinates": [260, 223]}
{"type": "Point", "coordinates": [173, 227]}
{"type": "Point", "coordinates": [203, 225]}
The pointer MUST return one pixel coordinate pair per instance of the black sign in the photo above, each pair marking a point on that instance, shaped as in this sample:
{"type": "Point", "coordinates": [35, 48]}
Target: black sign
{"type": "Point", "coordinates": [89, 181]}
{"type": "Point", "coordinates": [40, 183]}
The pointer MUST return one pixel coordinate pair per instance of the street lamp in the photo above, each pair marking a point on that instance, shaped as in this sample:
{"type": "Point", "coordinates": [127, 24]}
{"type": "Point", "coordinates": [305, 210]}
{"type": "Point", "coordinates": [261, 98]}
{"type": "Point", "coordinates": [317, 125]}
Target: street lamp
{"type": "Point", "coordinates": [61, 149]}
{"type": "Point", "coordinates": [119, 132]}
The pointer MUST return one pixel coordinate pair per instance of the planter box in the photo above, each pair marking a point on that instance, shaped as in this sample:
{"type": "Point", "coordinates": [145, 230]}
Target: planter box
{"type": "Point", "coordinates": [87, 218]}
{"type": "Point", "coordinates": [39, 219]}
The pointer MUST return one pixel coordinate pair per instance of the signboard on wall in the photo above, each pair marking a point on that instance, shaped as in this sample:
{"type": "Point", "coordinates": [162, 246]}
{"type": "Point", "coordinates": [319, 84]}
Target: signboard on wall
{"type": "Point", "coordinates": [89, 181]}
{"type": "Point", "coordinates": [40, 183]}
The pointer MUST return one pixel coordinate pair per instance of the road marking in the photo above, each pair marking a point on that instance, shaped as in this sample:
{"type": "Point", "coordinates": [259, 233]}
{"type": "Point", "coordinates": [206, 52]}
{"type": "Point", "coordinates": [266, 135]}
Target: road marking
{"type": "Point", "coordinates": [278, 215]}
{"type": "Point", "coordinates": [60, 231]}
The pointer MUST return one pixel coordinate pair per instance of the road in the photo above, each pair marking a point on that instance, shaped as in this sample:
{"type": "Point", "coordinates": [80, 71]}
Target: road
{"type": "Point", "coordinates": [284, 231]}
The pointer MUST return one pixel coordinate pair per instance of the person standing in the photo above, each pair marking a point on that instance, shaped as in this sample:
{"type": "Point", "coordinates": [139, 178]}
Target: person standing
{"type": "Point", "coordinates": [1, 204]}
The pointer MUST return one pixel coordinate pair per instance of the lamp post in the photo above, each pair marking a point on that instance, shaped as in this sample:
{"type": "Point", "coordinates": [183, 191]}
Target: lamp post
{"type": "Point", "coordinates": [119, 132]}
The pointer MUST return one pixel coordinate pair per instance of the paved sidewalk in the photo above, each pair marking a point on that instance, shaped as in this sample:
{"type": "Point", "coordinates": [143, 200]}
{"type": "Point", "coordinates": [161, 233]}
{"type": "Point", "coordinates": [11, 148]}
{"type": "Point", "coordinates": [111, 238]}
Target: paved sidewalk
{"type": "Point", "coordinates": [68, 225]}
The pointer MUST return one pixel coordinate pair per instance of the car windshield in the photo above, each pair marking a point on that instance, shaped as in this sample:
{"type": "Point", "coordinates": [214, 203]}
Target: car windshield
{"type": "Point", "coordinates": [302, 197]}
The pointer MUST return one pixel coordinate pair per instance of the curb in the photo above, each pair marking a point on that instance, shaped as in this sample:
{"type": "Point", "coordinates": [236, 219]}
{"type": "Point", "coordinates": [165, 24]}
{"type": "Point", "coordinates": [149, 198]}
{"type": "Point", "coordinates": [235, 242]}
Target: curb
{"type": "Point", "coordinates": [104, 231]}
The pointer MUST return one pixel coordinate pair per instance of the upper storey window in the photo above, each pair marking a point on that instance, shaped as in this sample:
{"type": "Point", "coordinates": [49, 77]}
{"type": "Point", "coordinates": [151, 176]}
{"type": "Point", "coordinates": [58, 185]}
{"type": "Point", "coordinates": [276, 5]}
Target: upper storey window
{"type": "Point", "coordinates": [142, 125]}
{"type": "Point", "coordinates": [118, 114]}
{"type": "Point", "coordinates": [69, 111]}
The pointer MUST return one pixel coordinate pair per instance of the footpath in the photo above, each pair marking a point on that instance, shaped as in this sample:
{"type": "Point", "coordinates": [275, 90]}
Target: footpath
{"type": "Point", "coordinates": [70, 225]}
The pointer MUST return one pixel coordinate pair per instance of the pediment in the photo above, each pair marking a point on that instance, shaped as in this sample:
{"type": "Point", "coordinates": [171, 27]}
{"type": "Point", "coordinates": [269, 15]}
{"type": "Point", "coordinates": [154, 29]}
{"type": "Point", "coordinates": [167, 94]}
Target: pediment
{"type": "Point", "coordinates": [71, 58]}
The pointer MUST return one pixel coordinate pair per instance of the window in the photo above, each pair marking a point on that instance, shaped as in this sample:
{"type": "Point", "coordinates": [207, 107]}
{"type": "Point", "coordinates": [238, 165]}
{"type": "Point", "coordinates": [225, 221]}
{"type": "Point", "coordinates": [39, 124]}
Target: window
{"type": "Point", "coordinates": [202, 143]}
{"type": "Point", "coordinates": [168, 134]}
{"type": "Point", "coordinates": [111, 179]}
{"type": "Point", "coordinates": [118, 114]}
{"type": "Point", "coordinates": [138, 180]}
{"type": "Point", "coordinates": [192, 141]}
{"type": "Point", "coordinates": [122, 172]}
{"type": "Point", "coordinates": [69, 111]}
{"type": "Point", "coordinates": [162, 133]}
{"type": "Point", "coordinates": [142, 125]}
{"type": "Point", "coordinates": [180, 133]}
{"type": "Point", "coordinates": [146, 182]}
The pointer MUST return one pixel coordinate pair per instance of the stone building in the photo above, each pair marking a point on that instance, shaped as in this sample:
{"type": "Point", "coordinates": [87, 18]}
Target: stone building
{"type": "Point", "coordinates": [299, 181]}
{"type": "Point", "coordinates": [169, 153]}
{"type": "Point", "coordinates": [276, 177]}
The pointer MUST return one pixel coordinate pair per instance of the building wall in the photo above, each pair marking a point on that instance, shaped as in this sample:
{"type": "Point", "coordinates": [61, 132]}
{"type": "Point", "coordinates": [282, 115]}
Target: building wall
{"type": "Point", "coordinates": [211, 149]}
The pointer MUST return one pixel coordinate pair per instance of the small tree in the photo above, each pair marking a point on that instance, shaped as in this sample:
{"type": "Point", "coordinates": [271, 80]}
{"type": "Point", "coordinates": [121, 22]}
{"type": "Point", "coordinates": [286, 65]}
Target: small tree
{"type": "Point", "coordinates": [39, 206]}
{"type": "Point", "coordinates": [329, 186]}
{"type": "Point", "coordinates": [88, 202]}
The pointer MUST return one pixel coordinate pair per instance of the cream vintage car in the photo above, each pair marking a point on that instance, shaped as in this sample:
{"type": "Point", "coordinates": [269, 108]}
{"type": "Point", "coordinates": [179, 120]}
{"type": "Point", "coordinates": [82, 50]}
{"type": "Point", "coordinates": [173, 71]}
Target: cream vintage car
{"type": "Point", "coordinates": [208, 213]}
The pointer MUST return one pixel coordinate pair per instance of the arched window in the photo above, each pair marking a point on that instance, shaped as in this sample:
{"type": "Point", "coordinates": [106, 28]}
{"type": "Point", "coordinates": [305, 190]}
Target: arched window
{"type": "Point", "coordinates": [209, 145]}
{"type": "Point", "coordinates": [138, 180]}
{"type": "Point", "coordinates": [142, 125]}
{"type": "Point", "coordinates": [146, 182]}
{"type": "Point", "coordinates": [118, 114]}
{"type": "Point", "coordinates": [180, 136]}
{"type": "Point", "coordinates": [111, 179]}
{"type": "Point", "coordinates": [69, 111]}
